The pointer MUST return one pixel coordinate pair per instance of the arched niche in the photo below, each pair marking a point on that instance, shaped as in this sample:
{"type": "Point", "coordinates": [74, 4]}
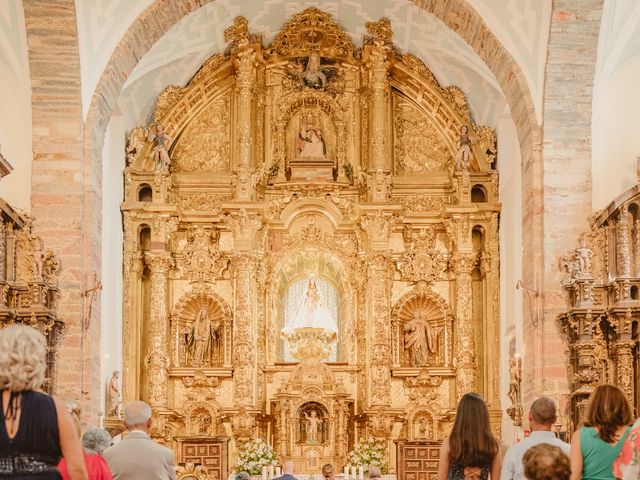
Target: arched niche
{"type": "Point", "coordinates": [422, 330]}
{"type": "Point", "coordinates": [201, 342]}
{"type": "Point", "coordinates": [292, 270]}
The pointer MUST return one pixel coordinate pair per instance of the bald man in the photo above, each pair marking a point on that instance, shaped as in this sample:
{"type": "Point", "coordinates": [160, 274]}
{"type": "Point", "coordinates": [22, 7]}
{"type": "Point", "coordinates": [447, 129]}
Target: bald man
{"type": "Point", "coordinates": [542, 416]}
{"type": "Point", "coordinates": [288, 468]}
{"type": "Point", "coordinates": [137, 457]}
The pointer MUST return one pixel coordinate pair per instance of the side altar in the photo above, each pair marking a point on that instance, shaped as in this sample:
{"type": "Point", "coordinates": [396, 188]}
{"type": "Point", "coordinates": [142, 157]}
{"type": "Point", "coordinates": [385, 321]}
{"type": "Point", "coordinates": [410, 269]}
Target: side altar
{"type": "Point", "coordinates": [310, 249]}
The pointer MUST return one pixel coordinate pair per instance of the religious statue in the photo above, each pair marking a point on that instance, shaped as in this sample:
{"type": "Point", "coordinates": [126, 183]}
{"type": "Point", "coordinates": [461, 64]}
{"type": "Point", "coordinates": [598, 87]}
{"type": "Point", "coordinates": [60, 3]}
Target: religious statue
{"type": "Point", "coordinates": [420, 339]}
{"type": "Point", "coordinates": [314, 75]}
{"type": "Point", "coordinates": [161, 142]}
{"type": "Point", "coordinates": [578, 263]}
{"type": "Point", "coordinates": [312, 313]}
{"type": "Point", "coordinates": [113, 395]}
{"type": "Point", "coordinates": [464, 152]}
{"type": "Point", "coordinates": [312, 426]}
{"type": "Point", "coordinates": [202, 340]}
{"type": "Point", "coordinates": [310, 140]}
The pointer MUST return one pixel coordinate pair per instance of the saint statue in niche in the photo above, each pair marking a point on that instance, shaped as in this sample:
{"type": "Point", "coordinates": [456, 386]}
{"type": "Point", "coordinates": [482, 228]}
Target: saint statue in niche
{"type": "Point", "coordinates": [420, 339]}
{"type": "Point", "coordinates": [202, 340]}
{"type": "Point", "coordinates": [313, 426]}
{"type": "Point", "coordinates": [113, 395]}
{"type": "Point", "coordinates": [464, 151]}
{"type": "Point", "coordinates": [312, 312]}
{"type": "Point", "coordinates": [310, 140]}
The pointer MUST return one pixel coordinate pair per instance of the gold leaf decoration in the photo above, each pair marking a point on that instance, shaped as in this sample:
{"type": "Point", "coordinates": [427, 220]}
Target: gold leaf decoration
{"type": "Point", "coordinates": [205, 144]}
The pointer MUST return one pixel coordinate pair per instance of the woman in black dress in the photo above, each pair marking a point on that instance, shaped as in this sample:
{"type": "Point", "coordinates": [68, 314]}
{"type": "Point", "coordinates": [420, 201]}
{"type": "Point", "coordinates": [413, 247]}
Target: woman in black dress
{"type": "Point", "coordinates": [35, 429]}
{"type": "Point", "coordinates": [471, 452]}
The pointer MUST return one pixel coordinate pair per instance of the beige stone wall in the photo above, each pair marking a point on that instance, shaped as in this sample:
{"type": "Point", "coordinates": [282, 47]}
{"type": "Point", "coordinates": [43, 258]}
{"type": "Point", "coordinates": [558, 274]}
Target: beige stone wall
{"type": "Point", "coordinates": [59, 194]}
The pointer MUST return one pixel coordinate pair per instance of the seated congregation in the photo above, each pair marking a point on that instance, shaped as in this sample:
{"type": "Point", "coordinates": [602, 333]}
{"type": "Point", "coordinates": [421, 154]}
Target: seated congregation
{"type": "Point", "coordinates": [40, 436]}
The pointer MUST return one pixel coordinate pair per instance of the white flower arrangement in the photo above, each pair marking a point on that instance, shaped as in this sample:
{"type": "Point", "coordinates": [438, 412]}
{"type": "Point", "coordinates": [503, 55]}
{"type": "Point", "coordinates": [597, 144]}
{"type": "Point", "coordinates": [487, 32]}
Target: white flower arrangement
{"type": "Point", "coordinates": [254, 455]}
{"type": "Point", "coordinates": [369, 453]}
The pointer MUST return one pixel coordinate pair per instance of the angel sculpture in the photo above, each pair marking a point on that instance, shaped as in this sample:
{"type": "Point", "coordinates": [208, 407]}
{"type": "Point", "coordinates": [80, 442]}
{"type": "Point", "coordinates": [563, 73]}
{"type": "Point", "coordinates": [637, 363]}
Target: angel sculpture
{"type": "Point", "coordinates": [314, 75]}
{"type": "Point", "coordinates": [161, 142]}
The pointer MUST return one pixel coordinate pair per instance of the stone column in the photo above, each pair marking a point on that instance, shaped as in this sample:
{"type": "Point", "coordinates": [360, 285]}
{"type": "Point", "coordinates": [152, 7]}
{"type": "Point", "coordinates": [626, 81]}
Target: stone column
{"type": "Point", "coordinates": [465, 359]}
{"type": "Point", "coordinates": [157, 360]}
{"type": "Point", "coordinates": [245, 77]}
{"type": "Point", "coordinates": [244, 354]}
{"type": "Point", "coordinates": [624, 367]}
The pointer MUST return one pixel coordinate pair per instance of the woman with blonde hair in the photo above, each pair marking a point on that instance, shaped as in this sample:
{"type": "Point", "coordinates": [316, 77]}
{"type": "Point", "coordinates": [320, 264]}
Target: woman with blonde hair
{"type": "Point", "coordinates": [595, 446]}
{"type": "Point", "coordinates": [471, 452]}
{"type": "Point", "coordinates": [35, 429]}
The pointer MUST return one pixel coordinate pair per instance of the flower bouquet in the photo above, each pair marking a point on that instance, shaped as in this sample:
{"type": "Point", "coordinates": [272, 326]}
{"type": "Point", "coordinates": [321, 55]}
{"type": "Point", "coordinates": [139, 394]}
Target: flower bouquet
{"type": "Point", "coordinates": [254, 455]}
{"type": "Point", "coordinates": [369, 453]}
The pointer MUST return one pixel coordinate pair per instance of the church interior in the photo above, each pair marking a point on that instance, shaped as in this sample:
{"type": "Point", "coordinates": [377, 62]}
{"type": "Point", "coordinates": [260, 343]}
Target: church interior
{"type": "Point", "coordinates": [317, 224]}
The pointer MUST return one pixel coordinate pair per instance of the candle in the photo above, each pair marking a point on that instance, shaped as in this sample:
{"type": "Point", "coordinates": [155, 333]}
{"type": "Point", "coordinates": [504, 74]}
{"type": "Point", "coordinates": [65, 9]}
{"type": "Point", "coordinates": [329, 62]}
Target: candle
{"type": "Point", "coordinates": [278, 471]}
{"type": "Point", "coordinates": [264, 473]}
{"type": "Point", "coordinates": [361, 472]}
{"type": "Point", "coordinates": [346, 472]}
{"type": "Point", "coordinates": [353, 472]}
{"type": "Point", "coordinates": [270, 471]}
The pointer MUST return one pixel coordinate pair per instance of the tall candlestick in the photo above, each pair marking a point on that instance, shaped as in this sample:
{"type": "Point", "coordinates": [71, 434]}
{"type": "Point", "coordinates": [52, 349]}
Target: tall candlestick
{"type": "Point", "coordinates": [264, 473]}
{"type": "Point", "coordinates": [346, 472]}
{"type": "Point", "coordinates": [278, 471]}
{"type": "Point", "coordinates": [353, 471]}
{"type": "Point", "coordinates": [361, 472]}
{"type": "Point", "coordinates": [270, 471]}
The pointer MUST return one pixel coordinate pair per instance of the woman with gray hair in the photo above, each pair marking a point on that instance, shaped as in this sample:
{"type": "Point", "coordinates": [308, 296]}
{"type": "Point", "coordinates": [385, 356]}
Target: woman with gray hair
{"type": "Point", "coordinates": [94, 442]}
{"type": "Point", "coordinates": [35, 429]}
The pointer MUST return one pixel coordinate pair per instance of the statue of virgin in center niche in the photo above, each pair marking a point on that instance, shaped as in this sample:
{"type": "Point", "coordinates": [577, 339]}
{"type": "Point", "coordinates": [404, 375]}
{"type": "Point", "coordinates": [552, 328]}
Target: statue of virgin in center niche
{"type": "Point", "coordinates": [312, 312]}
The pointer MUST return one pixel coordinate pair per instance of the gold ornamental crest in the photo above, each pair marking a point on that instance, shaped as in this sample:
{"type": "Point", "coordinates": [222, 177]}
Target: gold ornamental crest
{"type": "Point", "coordinates": [312, 31]}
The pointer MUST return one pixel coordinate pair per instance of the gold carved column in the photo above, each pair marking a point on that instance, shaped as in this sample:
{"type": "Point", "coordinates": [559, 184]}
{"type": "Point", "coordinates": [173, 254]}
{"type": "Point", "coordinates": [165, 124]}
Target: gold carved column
{"type": "Point", "coordinates": [465, 358]}
{"type": "Point", "coordinates": [624, 366]}
{"type": "Point", "coordinates": [622, 246]}
{"type": "Point", "coordinates": [379, 179]}
{"type": "Point", "coordinates": [244, 354]}
{"type": "Point", "coordinates": [130, 287]}
{"type": "Point", "coordinates": [157, 360]}
{"type": "Point", "coordinates": [245, 79]}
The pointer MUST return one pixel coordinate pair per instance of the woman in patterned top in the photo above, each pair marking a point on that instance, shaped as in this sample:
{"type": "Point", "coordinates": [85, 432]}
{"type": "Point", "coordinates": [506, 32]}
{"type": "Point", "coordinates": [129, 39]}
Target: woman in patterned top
{"type": "Point", "coordinates": [471, 452]}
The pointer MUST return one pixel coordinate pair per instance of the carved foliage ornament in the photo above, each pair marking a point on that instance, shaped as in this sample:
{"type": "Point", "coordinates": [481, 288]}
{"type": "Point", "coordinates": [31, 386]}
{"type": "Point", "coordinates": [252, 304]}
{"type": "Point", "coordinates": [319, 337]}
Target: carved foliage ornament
{"type": "Point", "coordinates": [205, 144]}
{"type": "Point", "coordinates": [202, 258]}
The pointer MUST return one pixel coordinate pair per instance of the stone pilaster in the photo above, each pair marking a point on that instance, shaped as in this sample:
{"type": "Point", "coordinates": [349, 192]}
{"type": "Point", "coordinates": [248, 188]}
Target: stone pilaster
{"type": "Point", "coordinates": [465, 357]}
{"type": "Point", "coordinates": [157, 360]}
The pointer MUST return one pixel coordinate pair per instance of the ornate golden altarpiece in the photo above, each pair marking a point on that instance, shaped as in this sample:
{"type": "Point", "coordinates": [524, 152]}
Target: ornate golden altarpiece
{"type": "Point", "coordinates": [310, 158]}
{"type": "Point", "coordinates": [602, 278]}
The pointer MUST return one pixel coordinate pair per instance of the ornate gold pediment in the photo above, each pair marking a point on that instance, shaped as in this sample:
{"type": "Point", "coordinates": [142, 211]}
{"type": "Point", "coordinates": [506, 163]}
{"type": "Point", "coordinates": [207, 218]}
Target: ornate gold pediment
{"type": "Point", "coordinates": [312, 31]}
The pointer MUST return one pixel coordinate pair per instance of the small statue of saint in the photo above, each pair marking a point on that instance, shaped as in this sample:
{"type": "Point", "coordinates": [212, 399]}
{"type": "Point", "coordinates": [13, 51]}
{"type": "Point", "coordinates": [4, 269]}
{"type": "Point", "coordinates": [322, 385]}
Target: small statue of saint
{"type": "Point", "coordinates": [113, 395]}
{"type": "Point", "coordinates": [464, 151]}
{"type": "Point", "coordinates": [420, 339]}
{"type": "Point", "coordinates": [312, 426]}
{"type": "Point", "coordinates": [202, 340]}
{"type": "Point", "coordinates": [161, 142]}
{"type": "Point", "coordinates": [310, 140]}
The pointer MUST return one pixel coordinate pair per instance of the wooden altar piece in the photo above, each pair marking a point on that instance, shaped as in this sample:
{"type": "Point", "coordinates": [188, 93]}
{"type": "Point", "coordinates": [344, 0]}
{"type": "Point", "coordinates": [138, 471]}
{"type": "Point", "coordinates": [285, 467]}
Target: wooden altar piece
{"type": "Point", "coordinates": [209, 452]}
{"type": "Point", "coordinates": [417, 459]}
